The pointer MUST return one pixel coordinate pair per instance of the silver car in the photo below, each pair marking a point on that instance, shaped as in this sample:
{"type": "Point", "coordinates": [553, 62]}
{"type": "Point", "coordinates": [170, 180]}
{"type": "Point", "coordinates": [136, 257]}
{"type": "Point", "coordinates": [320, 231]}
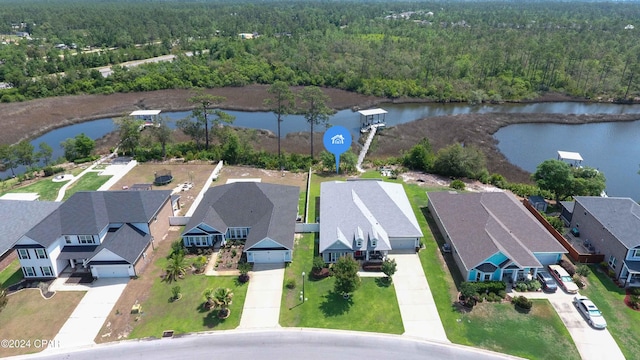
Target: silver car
{"type": "Point", "coordinates": [590, 311]}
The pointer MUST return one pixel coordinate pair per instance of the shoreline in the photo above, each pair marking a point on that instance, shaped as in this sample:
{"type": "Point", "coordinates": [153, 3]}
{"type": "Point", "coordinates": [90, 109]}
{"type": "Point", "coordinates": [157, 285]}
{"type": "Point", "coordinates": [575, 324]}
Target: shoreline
{"type": "Point", "coordinates": [27, 120]}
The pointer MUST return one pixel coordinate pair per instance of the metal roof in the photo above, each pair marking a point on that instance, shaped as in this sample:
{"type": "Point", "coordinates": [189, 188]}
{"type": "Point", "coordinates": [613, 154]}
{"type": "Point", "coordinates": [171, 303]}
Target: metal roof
{"type": "Point", "coordinates": [568, 155]}
{"type": "Point", "coordinates": [145, 112]}
{"type": "Point", "coordinates": [371, 112]}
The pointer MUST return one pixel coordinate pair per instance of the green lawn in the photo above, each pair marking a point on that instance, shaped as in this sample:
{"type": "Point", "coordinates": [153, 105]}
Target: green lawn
{"type": "Point", "coordinates": [188, 314]}
{"type": "Point", "coordinates": [498, 327]}
{"type": "Point", "coordinates": [373, 307]}
{"type": "Point", "coordinates": [623, 323]}
{"type": "Point", "coordinates": [88, 182]}
{"type": "Point", "coordinates": [47, 189]}
{"type": "Point", "coordinates": [11, 274]}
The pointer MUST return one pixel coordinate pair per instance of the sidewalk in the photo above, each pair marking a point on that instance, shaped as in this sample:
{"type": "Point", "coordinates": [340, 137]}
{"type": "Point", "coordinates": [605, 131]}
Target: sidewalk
{"type": "Point", "coordinates": [417, 307]}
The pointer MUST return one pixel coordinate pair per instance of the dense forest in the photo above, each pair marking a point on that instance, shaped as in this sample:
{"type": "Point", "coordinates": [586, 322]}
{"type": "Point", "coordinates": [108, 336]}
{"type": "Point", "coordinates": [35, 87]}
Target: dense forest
{"type": "Point", "coordinates": [476, 51]}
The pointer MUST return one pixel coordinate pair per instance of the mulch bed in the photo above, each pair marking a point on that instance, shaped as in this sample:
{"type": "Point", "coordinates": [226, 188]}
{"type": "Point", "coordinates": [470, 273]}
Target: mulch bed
{"type": "Point", "coordinates": [32, 284]}
{"type": "Point", "coordinates": [628, 303]}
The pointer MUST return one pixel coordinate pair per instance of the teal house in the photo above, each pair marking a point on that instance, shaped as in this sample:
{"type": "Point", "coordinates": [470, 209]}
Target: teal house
{"type": "Point", "coordinates": [493, 236]}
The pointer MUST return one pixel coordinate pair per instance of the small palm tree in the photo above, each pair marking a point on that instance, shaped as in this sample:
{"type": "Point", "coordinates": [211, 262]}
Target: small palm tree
{"type": "Point", "coordinates": [176, 267]}
{"type": "Point", "coordinates": [223, 298]}
{"type": "Point", "coordinates": [209, 297]}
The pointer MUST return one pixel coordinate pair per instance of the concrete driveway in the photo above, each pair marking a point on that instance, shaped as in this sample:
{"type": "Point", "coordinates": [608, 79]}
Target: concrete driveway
{"type": "Point", "coordinates": [264, 295]}
{"type": "Point", "coordinates": [87, 319]}
{"type": "Point", "coordinates": [418, 309]}
{"type": "Point", "coordinates": [591, 343]}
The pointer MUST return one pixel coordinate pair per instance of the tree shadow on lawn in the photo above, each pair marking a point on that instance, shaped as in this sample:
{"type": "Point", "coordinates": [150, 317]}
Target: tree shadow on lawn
{"type": "Point", "coordinates": [383, 282]}
{"type": "Point", "coordinates": [335, 304]}
{"type": "Point", "coordinates": [212, 320]}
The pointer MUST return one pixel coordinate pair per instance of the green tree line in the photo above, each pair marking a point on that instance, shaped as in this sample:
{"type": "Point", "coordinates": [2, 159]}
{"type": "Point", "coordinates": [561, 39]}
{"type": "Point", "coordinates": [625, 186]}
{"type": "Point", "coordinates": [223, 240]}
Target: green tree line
{"type": "Point", "coordinates": [444, 51]}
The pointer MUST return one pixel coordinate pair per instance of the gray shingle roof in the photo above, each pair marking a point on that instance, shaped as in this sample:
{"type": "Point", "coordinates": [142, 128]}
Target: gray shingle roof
{"type": "Point", "coordinates": [482, 224]}
{"type": "Point", "coordinates": [270, 211]}
{"type": "Point", "coordinates": [18, 217]}
{"type": "Point", "coordinates": [368, 205]}
{"type": "Point", "coordinates": [89, 212]}
{"type": "Point", "coordinates": [621, 216]}
{"type": "Point", "coordinates": [126, 242]}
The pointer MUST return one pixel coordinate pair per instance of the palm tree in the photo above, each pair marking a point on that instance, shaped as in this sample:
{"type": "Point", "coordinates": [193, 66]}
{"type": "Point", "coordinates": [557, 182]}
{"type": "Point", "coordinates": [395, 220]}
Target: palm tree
{"type": "Point", "coordinates": [176, 267]}
{"type": "Point", "coordinates": [208, 296]}
{"type": "Point", "coordinates": [223, 297]}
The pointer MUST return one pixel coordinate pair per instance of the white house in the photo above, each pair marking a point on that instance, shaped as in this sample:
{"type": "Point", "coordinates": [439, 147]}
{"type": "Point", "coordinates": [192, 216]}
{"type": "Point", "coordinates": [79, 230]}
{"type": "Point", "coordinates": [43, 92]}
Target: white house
{"type": "Point", "coordinates": [105, 232]}
{"type": "Point", "coordinates": [365, 219]}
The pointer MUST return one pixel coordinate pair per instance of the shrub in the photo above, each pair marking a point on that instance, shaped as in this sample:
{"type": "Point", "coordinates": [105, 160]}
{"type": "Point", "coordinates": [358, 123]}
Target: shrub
{"type": "Point", "coordinates": [493, 297]}
{"type": "Point", "coordinates": [244, 268]}
{"type": "Point", "coordinates": [521, 287]}
{"type": "Point", "coordinates": [522, 302]}
{"type": "Point", "coordinates": [234, 252]}
{"type": "Point", "coordinates": [175, 292]}
{"type": "Point", "coordinates": [634, 301]}
{"type": "Point", "coordinates": [502, 294]}
{"type": "Point", "coordinates": [634, 291]}
{"type": "Point", "coordinates": [578, 280]}
{"type": "Point", "coordinates": [50, 170]}
{"type": "Point", "coordinates": [611, 273]}
{"type": "Point", "coordinates": [533, 285]}
{"type": "Point", "coordinates": [389, 267]}
{"type": "Point", "coordinates": [199, 263]}
{"type": "Point", "coordinates": [567, 265]}
{"type": "Point", "coordinates": [290, 283]}
{"type": "Point", "coordinates": [582, 270]}
{"type": "Point", "coordinates": [318, 264]}
{"type": "Point", "coordinates": [457, 184]}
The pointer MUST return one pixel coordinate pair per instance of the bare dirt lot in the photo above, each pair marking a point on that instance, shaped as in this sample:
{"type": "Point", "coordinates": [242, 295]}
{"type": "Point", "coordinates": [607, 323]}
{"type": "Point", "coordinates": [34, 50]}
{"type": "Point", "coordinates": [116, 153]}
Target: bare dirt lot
{"type": "Point", "coordinates": [31, 118]}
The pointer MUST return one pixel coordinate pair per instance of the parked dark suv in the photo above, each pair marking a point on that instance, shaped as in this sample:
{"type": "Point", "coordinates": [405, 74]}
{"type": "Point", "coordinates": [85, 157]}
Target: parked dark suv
{"type": "Point", "coordinates": [547, 281]}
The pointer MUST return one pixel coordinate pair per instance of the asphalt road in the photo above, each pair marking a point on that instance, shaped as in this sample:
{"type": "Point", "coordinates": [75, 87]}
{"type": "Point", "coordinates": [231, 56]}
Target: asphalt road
{"type": "Point", "coordinates": [307, 344]}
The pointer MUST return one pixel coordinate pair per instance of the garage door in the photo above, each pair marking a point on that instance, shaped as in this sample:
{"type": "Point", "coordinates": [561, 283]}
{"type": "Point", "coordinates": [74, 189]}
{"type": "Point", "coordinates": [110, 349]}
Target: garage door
{"type": "Point", "coordinates": [547, 259]}
{"type": "Point", "coordinates": [267, 256]}
{"type": "Point", "coordinates": [111, 271]}
{"type": "Point", "coordinates": [403, 244]}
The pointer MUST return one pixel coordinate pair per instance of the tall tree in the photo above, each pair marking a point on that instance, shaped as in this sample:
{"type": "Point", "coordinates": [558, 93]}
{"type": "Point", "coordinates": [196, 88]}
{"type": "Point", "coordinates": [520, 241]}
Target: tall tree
{"type": "Point", "coordinates": [555, 176]}
{"type": "Point", "coordinates": [129, 131]}
{"type": "Point", "coordinates": [162, 133]}
{"type": "Point", "coordinates": [84, 145]}
{"type": "Point", "coordinates": [8, 158]}
{"type": "Point", "coordinates": [282, 104]}
{"type": "Point", "coordinates": [206, 106]}
{"type": "Point", "coordinates": [24, 153]}
{"type": "Point", "coordinates": [315, 108]}
{"type": "Point", "coordinates": [45, 153]}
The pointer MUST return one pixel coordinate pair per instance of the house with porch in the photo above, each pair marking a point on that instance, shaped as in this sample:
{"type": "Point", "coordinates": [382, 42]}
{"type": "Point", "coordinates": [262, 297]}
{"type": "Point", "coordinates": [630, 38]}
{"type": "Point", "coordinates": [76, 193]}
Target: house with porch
{"type": "Point", "coordinates": [261, 215]}
{"type": "Point", "coordinates": [492, 235]}
{"type": "Point", "coordinates": [365, 219]}
{"type": "Point", "coordinates": [106, 233]}
{"type": "Point", "coordinates": [612, 226]}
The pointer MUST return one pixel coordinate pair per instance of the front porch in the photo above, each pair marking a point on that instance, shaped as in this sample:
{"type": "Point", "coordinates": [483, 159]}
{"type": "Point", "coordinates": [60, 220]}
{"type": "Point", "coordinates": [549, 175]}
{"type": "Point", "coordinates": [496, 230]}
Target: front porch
{"type": "Point", "coordinates": [630, 274]}
{"type": "Point", "coordinates": [76, 275]}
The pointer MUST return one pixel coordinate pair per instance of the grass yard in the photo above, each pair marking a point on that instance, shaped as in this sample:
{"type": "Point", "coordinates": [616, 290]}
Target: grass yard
{"type": "Point", "coordinates": [11, 274]}
{"type": "Point", "coordinates": [47, 189]}
{"type": "Point", "coordinates": [88, 182]}
{"type": "Point", "coordinates": [373, 307]}
{"type": "Point", "coordinates": [498, 327]}
{"type": "Point", "coordinates": [187, 314]}
{"type": "Point", "coordinates": [623, 323]}
{"type": "Point", "coordinates": [28, 307]}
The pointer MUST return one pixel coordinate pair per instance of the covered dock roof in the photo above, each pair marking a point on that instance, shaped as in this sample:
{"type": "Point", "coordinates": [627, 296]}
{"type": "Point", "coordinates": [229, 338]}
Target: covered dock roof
{"type": "Point", "coordinates": [372, 112]}
{"type": "Point", "coordinates": [568, 155]}
{"type": "Point", "coordinates": [145, 113]}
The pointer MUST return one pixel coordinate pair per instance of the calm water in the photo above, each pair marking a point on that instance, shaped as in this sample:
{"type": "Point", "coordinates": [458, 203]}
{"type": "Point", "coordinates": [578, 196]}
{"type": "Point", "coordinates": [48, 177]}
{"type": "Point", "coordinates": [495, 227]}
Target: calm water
{"type": "Point", "coordinates": [611, 147]}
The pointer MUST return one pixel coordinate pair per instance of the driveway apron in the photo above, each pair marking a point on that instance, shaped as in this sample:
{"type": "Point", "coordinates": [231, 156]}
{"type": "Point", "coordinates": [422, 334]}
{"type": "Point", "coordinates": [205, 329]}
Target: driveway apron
{"type": "Point", "coordinates": [87, 319]}
{"type": "Point", "coordinates": [591, 343]}
{"type": "Point", "coordinates": [418, 309]}
{"type": "Point", "coordinates": [264, 295]}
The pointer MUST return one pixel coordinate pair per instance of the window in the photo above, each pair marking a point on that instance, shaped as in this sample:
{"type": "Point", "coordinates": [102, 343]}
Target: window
{"type": "Point", "coordinates": [358, 243]}
{"type": "Point", "coordinates": [67, 239]}
{"type": "Point", "coordinates": [41, 254]}
{"type": "Point", "coordinates": [86, 239]}
{"type": "Point", "coordinates": [635, 253]}
{"type": "Point", "coordinates": [46, 270]}
{"type": "Point", "coordinates": [23, 254]}
{"type": "Point", "coordinates": [612, 261]}
{"type": "Point", "coordinates": [28, 271]}
{"type": "Point", "coordinates": [374, 242]}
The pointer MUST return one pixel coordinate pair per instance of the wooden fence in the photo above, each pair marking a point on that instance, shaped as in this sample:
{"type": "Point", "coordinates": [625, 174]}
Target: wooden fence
{"type": "Point", "coordinates": [573, 253]}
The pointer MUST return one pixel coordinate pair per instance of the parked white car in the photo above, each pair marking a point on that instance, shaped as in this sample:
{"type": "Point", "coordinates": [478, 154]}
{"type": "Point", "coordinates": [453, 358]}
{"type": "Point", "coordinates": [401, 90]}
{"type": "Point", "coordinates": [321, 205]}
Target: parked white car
{"type": "Point", "coordinates": [590, 311]}
{"type": "Point", "coordinates": [563, 279]}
